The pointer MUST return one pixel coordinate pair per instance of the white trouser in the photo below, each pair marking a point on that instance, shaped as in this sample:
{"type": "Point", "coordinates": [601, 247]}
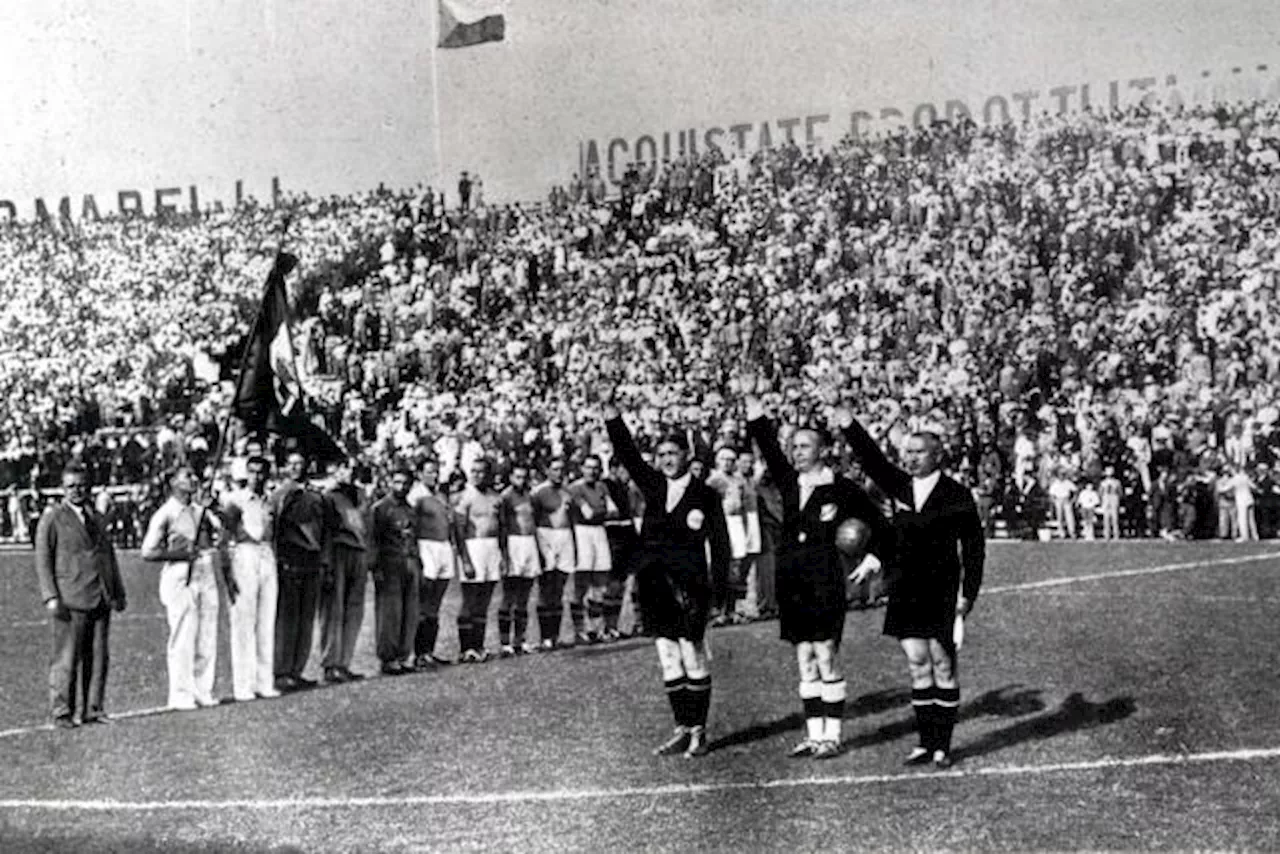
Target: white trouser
{"type": "Point", "coordinates": [253, 620]}
{"type": "Point", "coordinates": [192, 610]}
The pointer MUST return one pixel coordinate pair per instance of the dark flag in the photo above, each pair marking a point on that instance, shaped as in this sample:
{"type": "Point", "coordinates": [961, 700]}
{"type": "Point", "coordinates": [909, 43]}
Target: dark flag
{"type": "Point", "coordinates": [269, 395]}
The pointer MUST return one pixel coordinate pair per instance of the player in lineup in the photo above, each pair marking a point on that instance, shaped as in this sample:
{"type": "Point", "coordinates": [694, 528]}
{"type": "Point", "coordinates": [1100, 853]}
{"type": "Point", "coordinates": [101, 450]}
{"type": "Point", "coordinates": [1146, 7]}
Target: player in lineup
{"type": "Point", "coordinates": [687, 543]}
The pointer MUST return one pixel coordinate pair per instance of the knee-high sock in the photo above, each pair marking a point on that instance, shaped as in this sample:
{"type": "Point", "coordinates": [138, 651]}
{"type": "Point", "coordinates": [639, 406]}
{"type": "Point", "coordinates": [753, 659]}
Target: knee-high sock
{"type": "Point", "coordinates": [578, 614]}
{"type": "Point", "coordinates": [519, 607]}
{"type": "Point", "coordinates": [678, 697]}
{"type": "Point", "coordinates": [947, 706]}
{"type": "Point", "coordinates": [595, 615]}
{"type": "Point", "coordinates": [922, 705]}
{"type": "Point", "coordinates": [465, 631]}
{"type": "Point", "coordinates": [505, 616]}
{"type": "Point", "coordinates": [432, 592]}
{"type": "Point", "coordinates": [833, 697]}
{"type": "Point", "coordinates": [814, 710]}
{"type": "Point", "coordinates": [699, 699]}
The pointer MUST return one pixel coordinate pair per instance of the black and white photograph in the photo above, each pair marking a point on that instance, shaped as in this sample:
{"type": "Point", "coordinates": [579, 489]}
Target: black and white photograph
{"type": "Point", "coordinates": [639, 426]}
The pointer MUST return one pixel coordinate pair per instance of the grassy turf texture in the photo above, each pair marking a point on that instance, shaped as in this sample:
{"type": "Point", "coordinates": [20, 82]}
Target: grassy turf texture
{"type": "Point", "coordinates": [1078, 700]}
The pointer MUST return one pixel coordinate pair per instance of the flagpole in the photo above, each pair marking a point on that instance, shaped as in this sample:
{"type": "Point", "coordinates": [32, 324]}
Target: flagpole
{"type": "Point", "coordinates": [221, 447]}
{"type": "Point", "coordinates": [435, 95]}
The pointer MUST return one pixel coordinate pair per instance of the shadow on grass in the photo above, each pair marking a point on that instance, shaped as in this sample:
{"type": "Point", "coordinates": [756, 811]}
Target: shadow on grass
{"type": "Point", "coordinates": [1011, 701]}
{"type": "Point", "coordinates": [1074, 714]}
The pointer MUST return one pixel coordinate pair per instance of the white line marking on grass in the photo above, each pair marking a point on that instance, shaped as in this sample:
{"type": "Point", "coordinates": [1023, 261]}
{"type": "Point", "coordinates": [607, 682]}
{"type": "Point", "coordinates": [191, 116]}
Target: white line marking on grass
{"type": "Point", "coordinates": [115, 716]}
{"type": "Point", "coordinates": [1129, 573]}
{"type": "Point", "coordinates": [1154, 760]}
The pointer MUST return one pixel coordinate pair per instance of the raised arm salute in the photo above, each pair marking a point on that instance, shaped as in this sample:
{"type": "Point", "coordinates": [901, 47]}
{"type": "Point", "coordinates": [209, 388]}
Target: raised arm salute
{"type": "Point", "coordinates": [816, 502]}
{"type": "Point", "coordinates": [939, 570]}
{"type": "Point", "coordinates": [674, 582]}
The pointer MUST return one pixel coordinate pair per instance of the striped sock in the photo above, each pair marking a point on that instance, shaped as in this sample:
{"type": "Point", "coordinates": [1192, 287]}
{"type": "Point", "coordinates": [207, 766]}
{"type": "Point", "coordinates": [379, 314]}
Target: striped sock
{"type": "Point", "coordinates": [677, 696]}
{"type": "Point", "coordinates": [833, 697]}
{"type": "Point", "coordinates": [699, 699]}
{"type": "Point", "coordinates": [947, 705]}
{"type": "Point", "coordinates": [814, 709]}
{"type": "Point", "coordinates": [922, 705]}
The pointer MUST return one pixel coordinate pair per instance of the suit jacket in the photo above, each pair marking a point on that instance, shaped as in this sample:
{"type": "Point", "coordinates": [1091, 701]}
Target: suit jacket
{"type": "Point", "coordinates": [75, 560]}
{"type": "Point", "coordinates": [681, 536]}
{"type": "Point", "coordinates": [942, 547]}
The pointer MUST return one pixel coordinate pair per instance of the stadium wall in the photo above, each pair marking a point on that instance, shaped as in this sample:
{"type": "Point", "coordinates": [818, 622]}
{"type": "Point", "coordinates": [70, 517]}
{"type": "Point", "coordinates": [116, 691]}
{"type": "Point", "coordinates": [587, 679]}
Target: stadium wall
{"type": "Point", "coordinates": [135, 103]}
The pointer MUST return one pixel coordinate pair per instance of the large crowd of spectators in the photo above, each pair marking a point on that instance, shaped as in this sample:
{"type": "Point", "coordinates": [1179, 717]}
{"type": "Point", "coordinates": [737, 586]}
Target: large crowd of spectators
{"type": "Point", "coordinates": [1077, 300]}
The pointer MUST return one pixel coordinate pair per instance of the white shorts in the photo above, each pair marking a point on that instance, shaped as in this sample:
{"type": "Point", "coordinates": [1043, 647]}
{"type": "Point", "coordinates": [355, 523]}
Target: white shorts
{"type": "Point", "coordinates": [522, 552]}
{"type": "Point", "coordinates": [593, 548]}
{"type": "Point", "coordinates": [437, 559]}
{"type": "Point", "coordinates": [557, 548]}
{"type": "Point", "coordinates": [486, 559]}
{"type": "Point", "coordinates": [737, 536]}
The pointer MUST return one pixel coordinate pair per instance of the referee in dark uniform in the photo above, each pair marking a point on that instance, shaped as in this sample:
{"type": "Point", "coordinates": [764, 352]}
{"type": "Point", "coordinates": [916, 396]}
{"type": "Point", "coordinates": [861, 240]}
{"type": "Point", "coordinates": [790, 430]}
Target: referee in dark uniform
{"type": "Point", "coordinates": [811, 586]}
{"type": "Point", "coordinates": [674, 583]}
{"type": "Point", "coordinates": [938, 570]}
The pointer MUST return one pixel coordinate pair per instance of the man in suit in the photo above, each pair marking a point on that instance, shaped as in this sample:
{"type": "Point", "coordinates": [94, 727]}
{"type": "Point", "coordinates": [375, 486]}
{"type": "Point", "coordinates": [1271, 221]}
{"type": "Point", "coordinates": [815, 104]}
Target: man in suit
{"type": "Point", "coordinates": [674, 581]}
{"type": "Point", "coordinates": [939, 564]}
{"type": "Point", "coordinates": [80, 586]}
{"type": "Point", "coordinates": [810, 576]}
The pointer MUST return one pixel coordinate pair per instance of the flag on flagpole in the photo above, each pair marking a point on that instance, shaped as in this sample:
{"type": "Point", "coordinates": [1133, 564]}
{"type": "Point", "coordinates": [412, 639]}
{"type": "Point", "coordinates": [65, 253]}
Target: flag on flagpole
{"type": "Point", "coordinates": [269, 394]}
{"type": "Point", "coordinates": [464, 23]}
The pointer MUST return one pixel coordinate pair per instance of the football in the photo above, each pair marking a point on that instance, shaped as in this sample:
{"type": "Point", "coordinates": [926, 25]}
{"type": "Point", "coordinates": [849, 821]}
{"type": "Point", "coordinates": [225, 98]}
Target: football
{"type": "Point", "coordinates": [852, 537]}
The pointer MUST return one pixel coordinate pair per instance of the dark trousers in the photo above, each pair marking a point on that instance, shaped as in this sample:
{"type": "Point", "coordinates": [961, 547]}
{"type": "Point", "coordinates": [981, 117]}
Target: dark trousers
{"type": "Point", "coordinates": [78, 669]}
{"type": "Point", "coordinates": [431, 594]}
{"type": "Point", "coordinates": [342, 607]}
{"type": "Point", "coordinates": [551, 603]}
{"type": "Point", "coordinates": [397, 611]}
{"type": "Point", "coordinates": [295, 617]}
{"type": "Point", "coordinates": [766, 588]}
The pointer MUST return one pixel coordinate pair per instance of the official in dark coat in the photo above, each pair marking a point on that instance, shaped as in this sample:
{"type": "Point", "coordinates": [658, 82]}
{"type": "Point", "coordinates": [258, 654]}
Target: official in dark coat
{"type": "Point", "coordinates": [80, 586]}
{"type": "Point", "coordinates": [811, 582]}
{"type": "Point", "coordinates": [938, 570]}
{"type": "Point", "coordinates": [674, 582]}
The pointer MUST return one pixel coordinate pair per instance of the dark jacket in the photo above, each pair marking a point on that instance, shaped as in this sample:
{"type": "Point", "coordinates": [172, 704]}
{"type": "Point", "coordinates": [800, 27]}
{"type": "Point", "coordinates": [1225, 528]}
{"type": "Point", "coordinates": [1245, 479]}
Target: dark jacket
{"type": "Point", "coordinates": [75, 560]}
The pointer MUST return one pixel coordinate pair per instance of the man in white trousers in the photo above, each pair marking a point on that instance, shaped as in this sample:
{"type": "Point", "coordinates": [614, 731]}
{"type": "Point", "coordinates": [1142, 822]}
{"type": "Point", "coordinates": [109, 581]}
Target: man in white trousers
{"type": "Point", "coordinates": [250, 528]}
{"type": "Point", "coordinates": [188, 590]}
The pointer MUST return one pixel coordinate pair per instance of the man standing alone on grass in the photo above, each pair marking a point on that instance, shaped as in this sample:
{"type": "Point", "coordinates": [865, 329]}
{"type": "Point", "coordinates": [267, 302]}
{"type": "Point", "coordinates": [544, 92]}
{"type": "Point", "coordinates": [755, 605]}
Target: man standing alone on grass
{"type": "Point", "coordinates": [674, 580]}
{"type": "Point", "coordinates": [188, 590]}
{"type": "Point", "coordinates": [302, 556]}
{"type": "Point", "coordinates": [80, 586]}
{"type": "Point", "coordinates": [939, 563]}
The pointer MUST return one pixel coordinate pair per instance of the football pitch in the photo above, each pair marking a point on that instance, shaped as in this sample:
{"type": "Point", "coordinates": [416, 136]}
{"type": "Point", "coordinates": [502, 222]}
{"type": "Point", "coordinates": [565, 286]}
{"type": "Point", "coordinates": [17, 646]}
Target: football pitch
{"type": "Point", "coordinates": [1116, 696]}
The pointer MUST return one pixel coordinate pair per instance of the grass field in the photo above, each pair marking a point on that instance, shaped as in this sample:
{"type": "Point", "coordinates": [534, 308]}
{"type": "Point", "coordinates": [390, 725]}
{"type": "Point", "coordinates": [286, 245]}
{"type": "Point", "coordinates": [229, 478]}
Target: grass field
{"type": "Point", "coordinates": [1118, 696]}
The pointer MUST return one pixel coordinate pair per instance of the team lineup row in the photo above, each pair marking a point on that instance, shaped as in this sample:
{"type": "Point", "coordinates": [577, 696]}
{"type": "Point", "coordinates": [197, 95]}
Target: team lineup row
{"type": "Point", "coordinates": [293, 555]}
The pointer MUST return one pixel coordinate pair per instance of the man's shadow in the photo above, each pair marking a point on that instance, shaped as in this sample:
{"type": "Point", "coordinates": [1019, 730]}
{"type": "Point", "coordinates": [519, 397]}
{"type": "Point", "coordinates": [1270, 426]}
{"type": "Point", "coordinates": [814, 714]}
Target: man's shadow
{"type": "Point", "coordinates": [1074, 714]}
{"type": "Point", "coordinates": [1008, 702]}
